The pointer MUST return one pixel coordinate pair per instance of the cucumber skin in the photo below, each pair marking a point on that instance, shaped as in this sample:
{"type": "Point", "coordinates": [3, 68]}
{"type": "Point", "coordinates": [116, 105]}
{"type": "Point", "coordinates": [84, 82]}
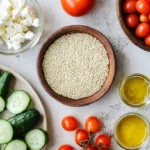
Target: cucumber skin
{"type": "Point", "coordinates": [4, 83]}
{"type": "Point", "coordinates": [24, 122]}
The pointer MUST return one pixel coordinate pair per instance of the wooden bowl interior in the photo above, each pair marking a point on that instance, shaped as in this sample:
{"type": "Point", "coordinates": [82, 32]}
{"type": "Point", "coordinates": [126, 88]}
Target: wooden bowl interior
{"type": "Point", "coordinates": [112, 66]}
{"type": "Point", "coordinates": [129, 32]}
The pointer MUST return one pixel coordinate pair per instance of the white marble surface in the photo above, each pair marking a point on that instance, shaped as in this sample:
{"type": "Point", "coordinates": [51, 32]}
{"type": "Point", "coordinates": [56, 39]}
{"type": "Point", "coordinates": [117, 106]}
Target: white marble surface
{"type": "Point", "coordinates": [130, 60]}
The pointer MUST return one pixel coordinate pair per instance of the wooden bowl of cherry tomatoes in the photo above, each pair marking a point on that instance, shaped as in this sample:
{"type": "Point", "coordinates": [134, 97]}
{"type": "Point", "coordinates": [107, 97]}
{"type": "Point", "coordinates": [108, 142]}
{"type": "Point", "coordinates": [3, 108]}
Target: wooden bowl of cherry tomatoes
{"type": "Point", "coordinates": [134, 18]}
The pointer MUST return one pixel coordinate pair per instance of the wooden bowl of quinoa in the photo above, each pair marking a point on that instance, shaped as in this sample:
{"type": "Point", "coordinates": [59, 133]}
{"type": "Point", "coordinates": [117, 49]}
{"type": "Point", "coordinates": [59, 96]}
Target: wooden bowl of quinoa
{"type": "Point", "coordinates": [76, 65]}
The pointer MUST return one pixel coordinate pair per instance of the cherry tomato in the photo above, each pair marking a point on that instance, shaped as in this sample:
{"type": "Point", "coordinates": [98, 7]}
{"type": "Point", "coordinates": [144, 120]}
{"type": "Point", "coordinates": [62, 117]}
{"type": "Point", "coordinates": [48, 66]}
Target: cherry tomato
{"type": "Point", "coordinates": [92, 125]}
{"type": "Point", "coordinates": [77, 7]}
{"type": "Point", "coordinates": [143, 7]}
{"type": "Point", "coordinates": [103, 140]}
{"type": "Point", "coordinates": [69, 123]}
{"type": "Point", "coordinates": [91, 147]}
{"type": "Point", "coordinates": [132, 20]}
{"type": "Point", "coordinates": [129, 6]}
{"type": "Point", "coordinates": [66, 147]}
{"type": "Point", "coordinates": [147, 40]}
{"type": "Point", "coordinates": [81, 135]}
{"type": "Point", "coordinates": [144, 18]}
{"type": "Point", "coordinates": [142, 30]}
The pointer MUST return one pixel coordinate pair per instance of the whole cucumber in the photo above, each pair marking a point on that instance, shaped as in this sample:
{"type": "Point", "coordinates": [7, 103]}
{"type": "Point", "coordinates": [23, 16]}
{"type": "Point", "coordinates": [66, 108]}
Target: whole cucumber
{"type": "Point", "coordinates": [4, 83]}
{"type": "Point", "coordinates": [24, 122]}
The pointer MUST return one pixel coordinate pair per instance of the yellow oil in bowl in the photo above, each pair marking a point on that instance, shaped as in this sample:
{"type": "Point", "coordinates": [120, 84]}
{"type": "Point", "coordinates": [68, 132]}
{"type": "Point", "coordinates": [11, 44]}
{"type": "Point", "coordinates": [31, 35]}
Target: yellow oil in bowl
{"type": "Point", "coordinates": [134, 90]}
{"type": "Point", "coordinates": [131, 131]}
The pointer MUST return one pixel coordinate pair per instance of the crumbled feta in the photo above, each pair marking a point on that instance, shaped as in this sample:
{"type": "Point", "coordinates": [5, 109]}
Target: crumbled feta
{"type": "Point", "coordinates": [9, 44]}
{"type": "Point", "coordinates": [18, 27]}
{"type": "Point", "coordinates": [15, 13]}
{"type": "Point", "coordinates": [16, 46]}
{"type": "Point", "coordinates": [36, 22]}
{"type": "Point", "coordinates": [16, 18]}
{"type": "Point", "coordinates": [29, 35]}
{"type": "Point", "coordinates": [28, 21]}
{"type": "Point", "coordinates": [5, 15]}
{"type": "Point", "coordinates": [11, 31]}
{"type": "Point", "coordinates": [18, 38]}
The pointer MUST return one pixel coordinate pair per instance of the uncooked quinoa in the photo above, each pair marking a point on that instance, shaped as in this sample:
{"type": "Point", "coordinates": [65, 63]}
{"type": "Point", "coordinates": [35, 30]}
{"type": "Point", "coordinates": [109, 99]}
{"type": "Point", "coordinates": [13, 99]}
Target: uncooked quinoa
{"type": "Point", "coordinates": [76, 65]}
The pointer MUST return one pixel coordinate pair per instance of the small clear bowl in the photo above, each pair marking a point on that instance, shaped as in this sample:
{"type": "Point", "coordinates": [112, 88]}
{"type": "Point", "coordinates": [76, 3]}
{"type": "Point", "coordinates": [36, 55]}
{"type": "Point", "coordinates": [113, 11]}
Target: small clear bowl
{"type": "Point", "coordinates": [145, 142]}
{"type": "Point", "coordinates": [37, 31]}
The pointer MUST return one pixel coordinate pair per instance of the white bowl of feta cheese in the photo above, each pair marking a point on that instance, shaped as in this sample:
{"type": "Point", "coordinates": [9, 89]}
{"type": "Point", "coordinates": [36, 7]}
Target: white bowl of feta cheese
{"type": "Point", "coordinates": [21, 25]}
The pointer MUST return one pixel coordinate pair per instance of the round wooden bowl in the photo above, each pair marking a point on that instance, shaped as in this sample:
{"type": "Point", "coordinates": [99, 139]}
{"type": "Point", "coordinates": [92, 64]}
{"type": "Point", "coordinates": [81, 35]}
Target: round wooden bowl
{"type": "Point", "coordinates": [112, 66]}
{"type": "Point", "coordinates": [129, 32]}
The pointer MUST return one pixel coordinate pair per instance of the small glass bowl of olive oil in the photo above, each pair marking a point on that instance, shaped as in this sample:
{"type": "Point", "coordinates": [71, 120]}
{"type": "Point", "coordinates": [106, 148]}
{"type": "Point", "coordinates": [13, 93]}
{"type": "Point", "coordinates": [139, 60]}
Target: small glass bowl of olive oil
{"type": "Point", "coordinates": [135, 90]}
{"type": "Point", "coordinates": [131, 131]}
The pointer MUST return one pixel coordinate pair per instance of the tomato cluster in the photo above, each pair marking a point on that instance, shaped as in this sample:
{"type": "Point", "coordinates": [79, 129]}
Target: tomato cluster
{"type": "Point", "coordinates": [84, 137]}
{"type": "Point", "coordinates": [138, 17]}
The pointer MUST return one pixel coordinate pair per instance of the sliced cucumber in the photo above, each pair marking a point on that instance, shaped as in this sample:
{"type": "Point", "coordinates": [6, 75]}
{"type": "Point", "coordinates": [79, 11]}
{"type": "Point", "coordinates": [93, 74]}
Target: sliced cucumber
{"type": "Point", "coordinates": [18, 102]}
{"type": "Point", "coordinates": [36, 139]}
{"type": "Point", "coordinates": [16, 145]}
{"type": "Point", "coordinates": [6, 131]}
{"type": "Point", "coordinates": [2, 104]}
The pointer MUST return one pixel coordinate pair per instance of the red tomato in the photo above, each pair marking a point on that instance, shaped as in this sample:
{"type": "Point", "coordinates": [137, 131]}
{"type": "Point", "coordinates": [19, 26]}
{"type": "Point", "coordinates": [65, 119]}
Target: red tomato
{"type": "Point", "coordinates": [92, 125]}
{"type": "Point", "coordinates": [91, 147]}
{"type": "Point", "coordinates": [66, 147]}
{"type": "Point", "coordinates": [142, 30]}
{"type": "Point", "coordinates": [77, 7]}
{"type": "Point", "coordinates": [143, 7]}
{"type": "Point", "coordinates": [129, 6]}
{"type": "Point", "coordinates": [144, 18]}
{"type": "Point", "coordinates": [69, 123]}
{"type": "Point", "coordinates": [103, 141]}
{"type": "Point", "coordinates": [132, 20]}
{"type": "Point", "coordinates": [81, 135]}
{"type": "Point", "coordinates": [147, 40]}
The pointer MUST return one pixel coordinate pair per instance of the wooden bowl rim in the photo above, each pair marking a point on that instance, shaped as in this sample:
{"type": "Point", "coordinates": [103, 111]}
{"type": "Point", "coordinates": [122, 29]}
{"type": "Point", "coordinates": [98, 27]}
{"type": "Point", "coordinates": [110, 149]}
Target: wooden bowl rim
{"type": "Point", "coordinates": [127, 32]}
{"type": "Point", "coordinates": [63, 31]}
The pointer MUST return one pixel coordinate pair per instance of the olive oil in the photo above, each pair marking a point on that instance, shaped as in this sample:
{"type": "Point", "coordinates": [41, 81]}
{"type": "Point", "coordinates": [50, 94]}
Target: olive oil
{"type": "Point", "coordinates": [131, 131]}
{"type": "Point", "coordinates": [135, 90]}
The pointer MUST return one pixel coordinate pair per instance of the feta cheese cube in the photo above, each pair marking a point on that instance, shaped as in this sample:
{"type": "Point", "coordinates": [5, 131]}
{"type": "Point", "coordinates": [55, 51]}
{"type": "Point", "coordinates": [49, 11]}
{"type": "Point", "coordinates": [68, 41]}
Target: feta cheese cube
{"type": "Point", "coordinates": [5, 15]}
{"type": "Point", "coordinates": [16, 46]}
{"type": "Point", "coordinates": [28, 11]}
{"type": "Point", "coordinates": [11, 31]}
{"type": "Point", "coordinates": [15, 14]}
{"type": "Point", "coordinates": [5, 37]}
{"type": "Point", "coordinates": [18, 27]}
{"type": "Point", "coordinates": [9, 44]}
{"type": "Point", "coordinates": [6, 4]}
{"type": "Point", "coordinates": [18, 38]}
{"type": "Point", "coordinates": [36, 22]}
{"type": "Point", "coordinates": [9, 23]}
{"type": "Point", "coordinates": [28, 21]}
{"type": "Point", "coordinates": [29, 35]}
{"type": "Point", "coordinates": [18, 3]}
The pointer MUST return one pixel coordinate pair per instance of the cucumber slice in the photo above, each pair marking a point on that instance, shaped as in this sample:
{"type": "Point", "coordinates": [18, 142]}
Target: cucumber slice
{"type": "Point", "coordinates": [6, 131]}
{"type": "Point", "coordinates": [36, 139]}
{"type": "Point", "coordinates": [2, 104]}
{"type": "Point", "coordinates": [16, 145]}
{"type": "Point", "coordinates": [18, 102]}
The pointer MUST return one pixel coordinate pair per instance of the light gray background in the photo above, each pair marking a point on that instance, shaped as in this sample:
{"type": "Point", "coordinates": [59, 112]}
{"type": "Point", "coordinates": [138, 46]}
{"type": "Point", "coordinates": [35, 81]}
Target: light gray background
{"type": "Point", "coordinates": [130, 60]}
